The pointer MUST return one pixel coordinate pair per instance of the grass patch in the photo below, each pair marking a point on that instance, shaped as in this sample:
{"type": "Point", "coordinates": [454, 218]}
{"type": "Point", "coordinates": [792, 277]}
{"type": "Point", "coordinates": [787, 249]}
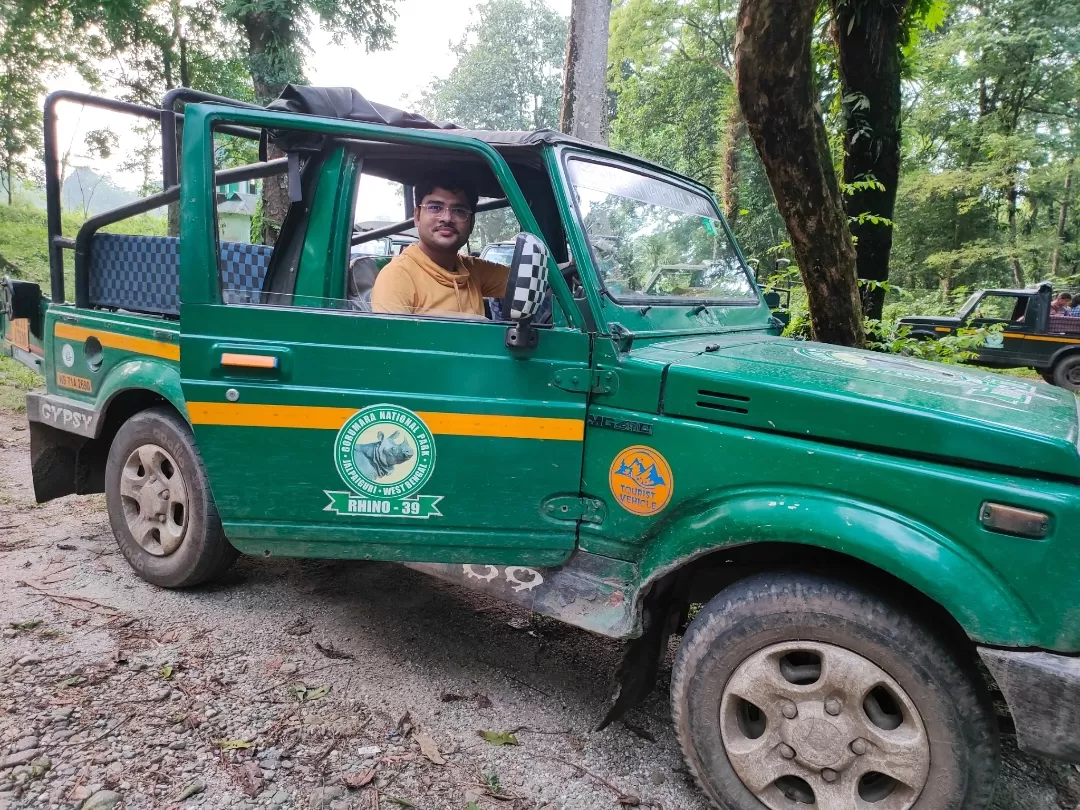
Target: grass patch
{"type": "Point", "coordinates": [15, 380]}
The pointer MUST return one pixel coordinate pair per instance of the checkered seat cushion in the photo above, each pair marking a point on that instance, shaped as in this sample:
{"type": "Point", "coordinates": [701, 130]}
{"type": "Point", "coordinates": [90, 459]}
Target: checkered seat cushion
{"type": "Point", "coordinates": [142, 273]}
{"type": "Point", "coordinates": [1065, 324]}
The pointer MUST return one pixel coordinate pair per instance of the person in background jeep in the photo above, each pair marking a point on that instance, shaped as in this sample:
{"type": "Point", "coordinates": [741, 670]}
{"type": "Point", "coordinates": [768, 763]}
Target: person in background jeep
{"type": "Point", "coordinates": [431, 277]}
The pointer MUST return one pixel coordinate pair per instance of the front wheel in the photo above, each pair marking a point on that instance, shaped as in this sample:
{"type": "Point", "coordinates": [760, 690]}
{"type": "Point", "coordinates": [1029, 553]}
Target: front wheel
{"type": "Point", "coordinates": [791, 689]}
{"type": "Point", "coordinates": [1067, 373]}
{"type": "Point", "coordinates": [159, 502]}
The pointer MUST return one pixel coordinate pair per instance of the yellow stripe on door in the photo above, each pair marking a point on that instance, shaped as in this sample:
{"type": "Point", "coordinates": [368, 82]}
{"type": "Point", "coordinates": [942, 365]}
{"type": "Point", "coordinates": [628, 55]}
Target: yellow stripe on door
{"type": "Point", "coordinates": [154, 348]}
{"type": "Point", "coordinates": [445, 424]}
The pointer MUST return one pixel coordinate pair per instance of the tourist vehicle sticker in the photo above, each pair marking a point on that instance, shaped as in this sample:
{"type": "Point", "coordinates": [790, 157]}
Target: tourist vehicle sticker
{"type": "Point", "coordinates": [384, 454]}
{"type": "Point", "coordinates": [641, 480]}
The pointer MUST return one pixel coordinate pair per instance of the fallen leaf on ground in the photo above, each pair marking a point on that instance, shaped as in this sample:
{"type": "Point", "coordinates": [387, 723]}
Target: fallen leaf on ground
{"type": "Point", "coordinates": [169, 636]}
{"type": "Point", "coordinates": [66, 547]}
{"type": "Point", "coordinates": [316, 693]}
{"type": "Point", "coordinates": [274, 664]}
{"type": "Point", "coordinates": [358, 779]}
{"type": "Point", "coordinates": [482, 701]}
{"type": "Point", "coordinates": [74, 680]}
{"type": "Point", "coordinates": [499, 737]}
{"type": "Point", "coordinates": [450, 697]}
{"type": "Point", "coordinates": [27, 625]}
{"type": "Point", "coordinates": [232, 745]}
{"type": "Point", "coordinates": [330, 652]}
{"type": "Point", "coordinates": [166, 672]}
{"type": "Point", "coordinates": [401, 802]}
{"type": "Point", "coordinates": [629, 800]}
{"type": "Point", "coordinates": [198, 786]}
{"type": "Point", "coordinates": [429, 748]}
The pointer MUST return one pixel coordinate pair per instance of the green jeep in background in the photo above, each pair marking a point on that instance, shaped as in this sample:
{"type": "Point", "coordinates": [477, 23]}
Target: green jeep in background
{"type": "Point", "coordinates": [1032, 335]}
{"type": "Point", "coordinates": [864, 531]}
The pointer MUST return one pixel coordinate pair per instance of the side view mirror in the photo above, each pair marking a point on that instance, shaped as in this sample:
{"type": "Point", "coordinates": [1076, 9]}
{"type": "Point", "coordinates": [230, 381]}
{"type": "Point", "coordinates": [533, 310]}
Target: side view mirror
{"type": "Point", "coordinates": [772, 299]}
{"type": "Point", "coordinates": [526, 288]}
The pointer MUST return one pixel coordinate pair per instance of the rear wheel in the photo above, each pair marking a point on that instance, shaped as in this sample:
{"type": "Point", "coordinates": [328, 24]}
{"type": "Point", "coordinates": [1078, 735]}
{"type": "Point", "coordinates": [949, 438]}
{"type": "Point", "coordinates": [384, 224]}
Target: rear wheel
{"type": "Point", "coordinates": [790, 689]}
{"type": "Point", "coordinates": [159, 502]}
{"type": "Point", "coordinates": [1067, 373]}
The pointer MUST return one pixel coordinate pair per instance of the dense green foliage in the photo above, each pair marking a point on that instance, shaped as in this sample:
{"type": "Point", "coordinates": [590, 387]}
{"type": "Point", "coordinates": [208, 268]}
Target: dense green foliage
{"type": "Point", "coordinates": [990, 141]}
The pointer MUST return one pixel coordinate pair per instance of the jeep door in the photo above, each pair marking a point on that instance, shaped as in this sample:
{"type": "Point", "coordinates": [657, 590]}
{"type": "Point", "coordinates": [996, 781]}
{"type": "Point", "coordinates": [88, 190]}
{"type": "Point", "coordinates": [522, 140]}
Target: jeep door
{"type": "Point", "coordinates": [329, 431]}
{"type": "Point", "coordinates": [1018, 315]}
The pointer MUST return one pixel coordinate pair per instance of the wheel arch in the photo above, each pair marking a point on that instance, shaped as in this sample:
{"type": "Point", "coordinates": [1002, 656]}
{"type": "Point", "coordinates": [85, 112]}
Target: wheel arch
{"type": "Point", "coordinates": [801, 528]}
{"type": "Point", "coordinates": [1062, 353]}
{"type": "Point", "coordinates": [66, 464]}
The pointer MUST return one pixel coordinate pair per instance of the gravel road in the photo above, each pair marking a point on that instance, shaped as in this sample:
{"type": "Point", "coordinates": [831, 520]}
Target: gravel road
{"type": "Point", "coordinates": [313, 684]}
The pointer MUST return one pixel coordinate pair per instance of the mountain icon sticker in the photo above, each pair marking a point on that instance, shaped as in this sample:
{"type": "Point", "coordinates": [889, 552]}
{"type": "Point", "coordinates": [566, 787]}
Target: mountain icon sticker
{"type": "Point", "coordinates": [641, 480]}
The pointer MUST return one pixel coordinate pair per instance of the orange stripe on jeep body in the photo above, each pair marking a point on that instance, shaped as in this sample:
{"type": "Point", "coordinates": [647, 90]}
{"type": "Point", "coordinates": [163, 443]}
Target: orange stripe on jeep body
{"type": "Point", "coordinates": [138, 345]}
{"type": "Point", "coordinates": [1043, 338]}
{"type": "Point", "coordinates": [445, 424]}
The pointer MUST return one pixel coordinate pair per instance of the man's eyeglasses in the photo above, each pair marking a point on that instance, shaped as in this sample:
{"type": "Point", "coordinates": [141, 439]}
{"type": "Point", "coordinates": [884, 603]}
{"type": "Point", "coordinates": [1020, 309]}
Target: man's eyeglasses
{"type": "Point", "coordinates": [457, 212]}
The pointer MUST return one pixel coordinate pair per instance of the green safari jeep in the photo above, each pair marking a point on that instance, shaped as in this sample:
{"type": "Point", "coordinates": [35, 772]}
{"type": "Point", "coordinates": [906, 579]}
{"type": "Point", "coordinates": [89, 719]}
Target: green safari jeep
{"type": "Point", "coordinates": [1033, 335]}
{"type": "Point", "coordinates": [879, 544]}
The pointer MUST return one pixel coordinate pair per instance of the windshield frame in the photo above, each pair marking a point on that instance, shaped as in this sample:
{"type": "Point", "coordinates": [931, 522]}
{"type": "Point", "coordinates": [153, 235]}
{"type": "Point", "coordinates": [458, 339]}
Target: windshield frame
{"type": "Point", "coordinates": [568, 155]}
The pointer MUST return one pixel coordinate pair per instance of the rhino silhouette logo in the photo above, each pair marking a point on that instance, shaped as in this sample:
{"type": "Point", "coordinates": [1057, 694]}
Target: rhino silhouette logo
{"type": "Point", "coordinates": [377, 459]}
{"type": "Point", "coordinates": [384, 451]}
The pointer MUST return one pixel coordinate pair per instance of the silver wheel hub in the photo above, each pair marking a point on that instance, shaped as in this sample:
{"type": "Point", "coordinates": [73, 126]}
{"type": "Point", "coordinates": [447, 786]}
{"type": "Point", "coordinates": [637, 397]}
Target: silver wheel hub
{"type": "Point", "coordinates": [806, 723]}
{"type": "Point", "coordinates": [154, 497]}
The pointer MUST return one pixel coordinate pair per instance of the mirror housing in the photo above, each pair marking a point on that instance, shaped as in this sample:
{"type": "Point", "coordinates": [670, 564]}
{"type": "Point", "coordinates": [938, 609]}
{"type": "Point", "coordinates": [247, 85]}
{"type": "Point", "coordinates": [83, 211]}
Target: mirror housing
{"type": "Point", "coordinates": [772, 299]}
{"type": "Point", "coordinates": [526, 288]}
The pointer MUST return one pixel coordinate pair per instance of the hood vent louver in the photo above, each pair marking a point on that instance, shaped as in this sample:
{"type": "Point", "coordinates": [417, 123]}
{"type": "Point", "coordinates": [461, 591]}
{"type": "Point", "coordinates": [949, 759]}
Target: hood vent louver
{"type": "Point", "coordinates": [720, 401]}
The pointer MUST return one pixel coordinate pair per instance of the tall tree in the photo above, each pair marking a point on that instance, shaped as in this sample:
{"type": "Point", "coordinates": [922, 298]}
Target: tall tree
{"type": "Point", "coordinates": [584, 106]}
{"type": "Point", "coordinates": [775, 82]}
{"type": "Point", "coordinates": [992, 122]}
{"type": "Point", "coordinates": [276, 33]}
{"type": "Point", "coordinates": [32, 44]}
{"type": "Point", "coordinates": [508, 71]}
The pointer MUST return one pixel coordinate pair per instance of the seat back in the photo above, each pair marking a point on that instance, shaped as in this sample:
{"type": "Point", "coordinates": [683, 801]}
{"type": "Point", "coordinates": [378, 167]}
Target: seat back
{"type": "Point", "coordinates": [142, 273]}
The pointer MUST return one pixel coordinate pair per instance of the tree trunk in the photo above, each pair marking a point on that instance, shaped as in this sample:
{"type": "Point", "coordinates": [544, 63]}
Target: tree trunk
{"type": "Point", "coordinates": [1063, 213]}
{"type": "Point", "coordinates": [584, 103]}
{"type": "Point", "coordinates": [729, 181]}
{"type": "Point", "coordinates": [269, 35]}
{"type": "Point", "coordinates": [867, 35]}
{"type": "Point", "coordinates": [1012, 194]}
{"type": "Point", "coordinates": [775, 82]}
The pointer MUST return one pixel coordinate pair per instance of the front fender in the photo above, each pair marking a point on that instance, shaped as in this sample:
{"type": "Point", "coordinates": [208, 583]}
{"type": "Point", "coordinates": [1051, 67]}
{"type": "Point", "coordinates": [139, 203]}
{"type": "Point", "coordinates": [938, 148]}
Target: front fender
{"type": "Point", "coordinates": [976, 595]}
{"type": "Point", "coordinates": [159, 377]}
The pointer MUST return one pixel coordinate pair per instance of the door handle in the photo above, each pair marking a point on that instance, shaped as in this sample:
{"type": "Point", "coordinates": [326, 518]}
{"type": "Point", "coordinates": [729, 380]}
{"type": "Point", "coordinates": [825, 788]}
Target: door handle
{"type": "Point", "coordinates": [254, 361]}
{"type": "Point", "coordinates": [238, 359]}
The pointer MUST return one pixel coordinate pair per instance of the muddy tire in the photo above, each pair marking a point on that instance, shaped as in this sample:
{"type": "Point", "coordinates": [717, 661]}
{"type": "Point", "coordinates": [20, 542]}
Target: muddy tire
{"type": "Point", "coordinates": [792, 689]}
{"type": "Point", "coordinates": [159, 502]}
{"type": "Point", "coordinates": [1067, 373]}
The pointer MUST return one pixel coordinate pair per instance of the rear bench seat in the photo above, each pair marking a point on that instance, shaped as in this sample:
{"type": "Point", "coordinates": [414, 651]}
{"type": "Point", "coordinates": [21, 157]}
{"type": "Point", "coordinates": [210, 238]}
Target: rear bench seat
{"type": "Point", "coordinates": [142, 273]}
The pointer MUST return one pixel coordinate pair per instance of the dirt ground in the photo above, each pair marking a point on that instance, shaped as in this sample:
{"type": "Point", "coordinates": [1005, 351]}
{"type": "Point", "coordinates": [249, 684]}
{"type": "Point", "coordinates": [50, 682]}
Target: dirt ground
{"type": "Point", "coordinates": [313, 684]}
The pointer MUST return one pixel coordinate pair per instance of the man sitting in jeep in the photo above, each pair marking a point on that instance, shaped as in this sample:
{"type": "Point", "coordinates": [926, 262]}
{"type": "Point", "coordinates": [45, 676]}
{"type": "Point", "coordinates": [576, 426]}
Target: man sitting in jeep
{"type": "Point", "coordinates": [431, 277]}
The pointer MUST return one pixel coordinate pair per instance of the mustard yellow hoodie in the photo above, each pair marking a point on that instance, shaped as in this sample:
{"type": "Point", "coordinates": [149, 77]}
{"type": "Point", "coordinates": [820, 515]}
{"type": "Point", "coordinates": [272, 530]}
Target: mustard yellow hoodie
{"type": "Point", "coordinates": [412, 284]}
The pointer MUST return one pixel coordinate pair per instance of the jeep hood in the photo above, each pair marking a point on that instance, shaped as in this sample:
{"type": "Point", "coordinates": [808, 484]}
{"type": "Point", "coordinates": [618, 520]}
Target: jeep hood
{"type": "Point", "coordinates": [867, 399]}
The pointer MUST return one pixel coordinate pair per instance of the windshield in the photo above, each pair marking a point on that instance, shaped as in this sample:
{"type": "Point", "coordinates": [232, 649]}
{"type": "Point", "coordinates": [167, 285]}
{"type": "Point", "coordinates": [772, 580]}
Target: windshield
{"type": "Point", "coordinates": [655, 240]}
{"type": "Point", "coordinates": [969, 305]}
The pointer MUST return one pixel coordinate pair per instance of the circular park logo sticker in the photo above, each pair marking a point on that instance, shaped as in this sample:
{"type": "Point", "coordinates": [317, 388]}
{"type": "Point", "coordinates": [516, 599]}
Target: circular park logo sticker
{"type": "Point", "coordinates": [641, 480]}
{"type": "Point", "coordinates": [384, 451]}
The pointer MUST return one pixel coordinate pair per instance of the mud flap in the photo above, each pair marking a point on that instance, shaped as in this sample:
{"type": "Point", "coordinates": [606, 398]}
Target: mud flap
{"type": "Point", "coordinates": [64, 463]}
{"type": "Point", "coordinates": [635, 677]}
